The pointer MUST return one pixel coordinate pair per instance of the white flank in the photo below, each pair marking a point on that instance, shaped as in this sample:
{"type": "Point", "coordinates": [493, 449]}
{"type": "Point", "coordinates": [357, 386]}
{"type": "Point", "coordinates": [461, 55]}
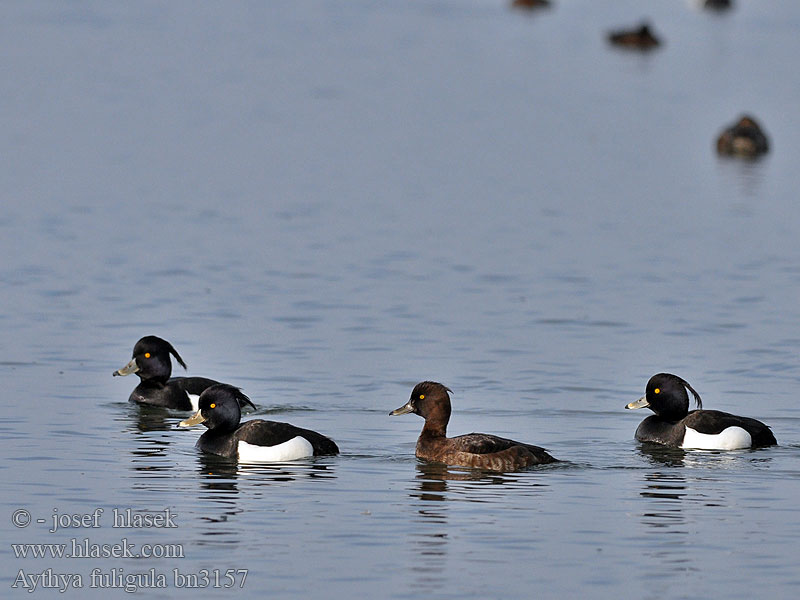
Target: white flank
{"type": "Point", "coordinates": [732, 438]}
{"type": "Point", "coordinates": [195, 400]}
{"type": "Point", "coordinates": [297, 447]}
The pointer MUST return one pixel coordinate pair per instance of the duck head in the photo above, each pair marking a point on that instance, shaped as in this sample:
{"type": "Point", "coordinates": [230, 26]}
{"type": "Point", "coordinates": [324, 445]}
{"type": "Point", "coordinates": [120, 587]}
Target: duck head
{"type": "Point", "coordinates": [431, 401]}
{"type": "Point", "coordinates": [666, 396]}
{"type": "Point", "coordinates": [151, 359]}
{"type": "Point", "coordinates": [219, 408]}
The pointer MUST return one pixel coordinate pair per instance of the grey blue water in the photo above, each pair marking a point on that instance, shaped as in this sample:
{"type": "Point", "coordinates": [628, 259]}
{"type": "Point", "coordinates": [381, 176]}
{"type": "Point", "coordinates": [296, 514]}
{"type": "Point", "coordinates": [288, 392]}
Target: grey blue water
{"type": "Point", "coordinates": [327, 202]}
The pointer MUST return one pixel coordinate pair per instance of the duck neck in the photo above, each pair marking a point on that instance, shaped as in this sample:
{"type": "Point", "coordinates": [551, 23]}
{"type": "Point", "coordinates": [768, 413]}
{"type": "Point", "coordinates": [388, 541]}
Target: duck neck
{"type": "Point", "coordinates": [156, 383]}
{"type": "Point", "coordinates": [434, 429]}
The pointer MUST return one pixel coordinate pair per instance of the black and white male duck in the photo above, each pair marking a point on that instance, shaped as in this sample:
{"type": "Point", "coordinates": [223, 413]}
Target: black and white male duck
{"type": "Point", "coordinates": [255, 440]}
{"type": "Point", "coordinates": [151, 362]}
{"type": "Point", "coordinates": [431, 401]}
{"type": "Point", "coordinates": [674, 425]}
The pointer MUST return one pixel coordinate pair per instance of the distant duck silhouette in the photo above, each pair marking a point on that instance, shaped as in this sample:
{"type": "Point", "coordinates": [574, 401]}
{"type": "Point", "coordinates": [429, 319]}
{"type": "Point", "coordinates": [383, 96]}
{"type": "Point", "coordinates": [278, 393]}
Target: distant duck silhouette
{"type": "Point", "coordinates": [530, 4]}
{"type": "Point", "coordinates": [641, 38]}
{"type": "Point", "coordinates": [745, 139]}
{"type": "Point", "coordinates": [717, 4]}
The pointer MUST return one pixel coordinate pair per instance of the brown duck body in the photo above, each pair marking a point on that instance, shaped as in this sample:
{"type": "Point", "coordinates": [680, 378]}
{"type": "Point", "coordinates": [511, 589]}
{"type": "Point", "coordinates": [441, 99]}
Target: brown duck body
{"type": "Point", "coordinates": [478, 450]}
{"type": "Point", "coordinates": [481, 451]}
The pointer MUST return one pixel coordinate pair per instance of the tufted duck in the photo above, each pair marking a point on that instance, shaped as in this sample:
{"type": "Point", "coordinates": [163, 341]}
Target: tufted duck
{"type": "Point", "coordinates": [151, 362]}
{"type": "Point", "coordinates": [431, 401]}
{"type": "Point", "coordinates": [255, 440]}
{"type": "Point", "coordinates": [674, 425]}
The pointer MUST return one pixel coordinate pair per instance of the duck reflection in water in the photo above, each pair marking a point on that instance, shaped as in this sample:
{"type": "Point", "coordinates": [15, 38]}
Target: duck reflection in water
{"type": "Point", "coordinates": [220, 489]}
{"type": "Point", "coordinates": [150, 418]}
{"type": "Point", "coordinates": [150, 442]}
{"type": "Point", "coordinates": [429, 536]}
{"type": "Point", "coordinates": [664, 455]}
{"type": "Point", "coordinates": [220, 478]}
{"type": "Point", "coordinates": [219, 472]}
{"type": "Point", "coordinates": [431, 471]}
{"type": "Point", "coordinates": [664, 492]}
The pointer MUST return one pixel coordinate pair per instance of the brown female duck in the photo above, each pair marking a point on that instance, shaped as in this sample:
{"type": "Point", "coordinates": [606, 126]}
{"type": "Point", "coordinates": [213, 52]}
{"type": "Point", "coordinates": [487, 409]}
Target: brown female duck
{"type": "Point", "coordinates": [431, 401]}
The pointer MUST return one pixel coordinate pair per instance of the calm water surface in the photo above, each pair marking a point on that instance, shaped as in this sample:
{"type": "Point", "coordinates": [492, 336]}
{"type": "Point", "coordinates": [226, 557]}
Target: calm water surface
{"type": "Point", "coordinates": [325, 203]}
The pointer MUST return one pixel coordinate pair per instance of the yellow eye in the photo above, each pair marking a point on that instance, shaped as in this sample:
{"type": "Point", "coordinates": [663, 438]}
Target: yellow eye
{"type": "Point", "coordinates": [147, 355]}
{"type": "Point", "coordinates": [656, 391]}
{"type": "Point", "coordinates": [213, 406]}
{"type": "Point", "coordinates": [422, 396]}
